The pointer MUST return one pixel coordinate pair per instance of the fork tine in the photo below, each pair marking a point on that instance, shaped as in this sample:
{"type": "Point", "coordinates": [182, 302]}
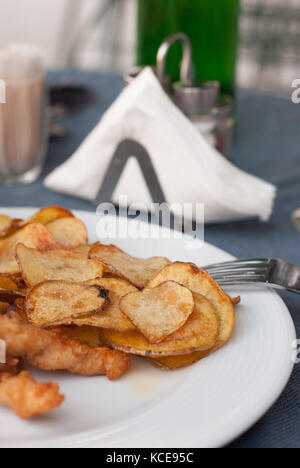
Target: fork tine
{"type": "Point", "coordinates": [254, 262]}
{"type": "Point", "coordinates": [272, 272]}
{"type": "Point", "coordinates": [244, 267]}
{"type": "Point", "coordinates": [245, 271]}
{"type": "Point", "coordinates": [238, 269]}
{"type": "Point", "coordinates": [248, 278]}
{"type": "Point", "coordinates": [239, 282]}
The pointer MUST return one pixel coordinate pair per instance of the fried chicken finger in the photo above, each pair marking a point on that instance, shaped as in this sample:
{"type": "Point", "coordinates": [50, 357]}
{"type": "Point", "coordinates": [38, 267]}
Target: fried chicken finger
{"type": "Point", "coordinates": [47, 351]}
{"type": "Point", "coordinates": [27, 397]}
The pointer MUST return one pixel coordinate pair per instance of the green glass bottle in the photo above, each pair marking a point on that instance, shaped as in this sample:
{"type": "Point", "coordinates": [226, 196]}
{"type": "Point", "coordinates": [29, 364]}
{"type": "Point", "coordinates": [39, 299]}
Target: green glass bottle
{"type": "Point", "coordinates": [212, 26]}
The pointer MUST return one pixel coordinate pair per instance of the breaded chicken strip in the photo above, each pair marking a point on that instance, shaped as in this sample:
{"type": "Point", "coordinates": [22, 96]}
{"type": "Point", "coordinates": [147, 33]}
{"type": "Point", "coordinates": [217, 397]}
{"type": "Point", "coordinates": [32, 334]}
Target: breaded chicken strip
{"type": "Point", "coordinates": [12, 366]}
{"type": "Point", "coordinates": [48, 351]}
{"type": "Point", "coordinates": [27, 397]}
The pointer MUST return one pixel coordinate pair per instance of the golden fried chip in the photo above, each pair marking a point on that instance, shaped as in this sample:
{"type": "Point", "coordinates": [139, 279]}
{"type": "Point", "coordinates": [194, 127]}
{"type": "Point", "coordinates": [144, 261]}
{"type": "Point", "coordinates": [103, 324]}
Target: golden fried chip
{"type": "Point", "coordinates": [68, 232]}
{"type": "Point", "coordinates": [17, 278]}
{"type": "Point", "coordinates": [159, 312]}
{"type": "Point", "coordinates": [11, 227]}
{"type": "Point", "coordinates": [9, 290]}
{"type": "Point", "coordinates": [84, 249]}
{"type": "Point", "coordinates": [112, 317]}
{"type": "Point", "coordinates": [43, 216]}
{"type": "Point", "coordinates": [5, 221]}
{"type": "Point", "coordinates": [54, 302]}
{"type": "Point", "coordinates": [136, 270]}
{"type": "Point", "coordinates": [37, 267]}
{"type": "Point", "coordinates": [7, 282]}
{"type": "Point", "coordinates": [89, 336]}
{"type": "Point", "coordinates": [4, 306]}
{"type": "Point", "coordinates": [8, 295]}
{"type": "Point", "coordinates": [34, 235]}
{"type": "Point", "coordinates": [199, 281]}
{"type": "Point", "coordinates": [177, 362]}
{"type": "Point", "coordinates": [199, 333]}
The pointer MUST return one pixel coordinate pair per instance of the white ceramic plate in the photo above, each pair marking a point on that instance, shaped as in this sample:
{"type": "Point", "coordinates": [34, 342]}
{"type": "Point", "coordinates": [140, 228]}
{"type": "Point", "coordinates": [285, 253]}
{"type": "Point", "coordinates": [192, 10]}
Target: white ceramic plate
{"type": "Point", "coordinates": [206, 405]}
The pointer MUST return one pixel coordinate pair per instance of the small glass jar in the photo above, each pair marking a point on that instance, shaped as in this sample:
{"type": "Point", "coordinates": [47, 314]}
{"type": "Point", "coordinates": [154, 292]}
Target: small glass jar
{"type": "Point", "coordinates": [23, 115]}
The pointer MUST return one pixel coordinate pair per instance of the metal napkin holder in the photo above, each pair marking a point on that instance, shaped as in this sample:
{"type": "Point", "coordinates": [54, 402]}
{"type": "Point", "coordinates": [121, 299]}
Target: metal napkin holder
{"type": "Point", "coordinates": [190, 97]}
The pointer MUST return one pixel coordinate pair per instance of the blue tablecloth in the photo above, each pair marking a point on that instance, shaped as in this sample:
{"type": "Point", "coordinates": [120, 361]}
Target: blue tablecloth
{"type": "Point", "coordinates": [268, 145]}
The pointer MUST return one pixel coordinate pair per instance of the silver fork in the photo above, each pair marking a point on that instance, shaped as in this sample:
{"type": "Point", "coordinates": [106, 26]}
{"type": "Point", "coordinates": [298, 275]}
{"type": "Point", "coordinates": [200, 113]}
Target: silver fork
{"type": "Point", "coordinates": [272, 272]}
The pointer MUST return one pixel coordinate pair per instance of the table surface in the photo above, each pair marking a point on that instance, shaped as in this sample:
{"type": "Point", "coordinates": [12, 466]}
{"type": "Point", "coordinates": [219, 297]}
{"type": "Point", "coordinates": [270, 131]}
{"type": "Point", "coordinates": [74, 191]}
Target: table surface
{"type": "Point", "coordinates": [268, 145]}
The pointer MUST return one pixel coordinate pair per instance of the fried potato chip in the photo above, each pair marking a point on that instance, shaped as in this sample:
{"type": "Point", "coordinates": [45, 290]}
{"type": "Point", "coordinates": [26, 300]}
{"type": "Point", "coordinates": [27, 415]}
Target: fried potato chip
{"type": "Point", "coordinates": [37, 267]}
{"type": "Point", "coordinates": [199, 281]}
{"type": "Point", "coordinates": [7, 295]}
{"type": "Point", "coordinates": [9, 289]}
{"type": "Point", "coordinates": [84, 249]}
{"type": "Point", "coordinates": [177, 362]}
{"type": "Point", "coordinates": [89, 336]}
{"type": "Point", "coordinates": [136, 270]}
{"type": "Point", "coordinates": [7, 282]}
{"type": "Point", "coordinates": [17, 278]}
{"type": "Point", "coordinates": [159, 312]}
{"type": "Point", "coordinates": [4, 306]}
{"type": "Point", "coordinates": [7, 224]}
{"type": "Point", "coordinates": [68, 232]}
{"type": "Point", "coordinates": [199, 333]}
{"type": "Point", "coordinates": [53, 302]}
{"type": "Point", "coordinates": [34, 235]}
{"type": "Point", "coordinates": [112, 317]}
{"type": "Point", "coordinates": [5, 221]}
{"type": "Point", "coordinates": [43, 216]}
{"type": "Point", "coordinates": [11, 227]}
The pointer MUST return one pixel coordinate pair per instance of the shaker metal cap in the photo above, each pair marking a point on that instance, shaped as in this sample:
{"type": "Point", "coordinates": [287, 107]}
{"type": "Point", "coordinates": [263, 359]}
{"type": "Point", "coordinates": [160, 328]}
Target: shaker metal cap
{"type": "Point", "coordinates": [195, 98]}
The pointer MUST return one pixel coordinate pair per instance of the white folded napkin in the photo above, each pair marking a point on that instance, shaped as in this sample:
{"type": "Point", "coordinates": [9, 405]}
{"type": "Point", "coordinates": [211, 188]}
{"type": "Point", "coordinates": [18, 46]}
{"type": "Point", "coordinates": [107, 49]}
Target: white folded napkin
{"type": "Point", "coordinates": [188, 168]}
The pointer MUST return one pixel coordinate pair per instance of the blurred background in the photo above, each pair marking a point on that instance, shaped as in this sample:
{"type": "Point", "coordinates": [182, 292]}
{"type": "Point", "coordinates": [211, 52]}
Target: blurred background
{"type": "Point", "coordinates": [102, 35]}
